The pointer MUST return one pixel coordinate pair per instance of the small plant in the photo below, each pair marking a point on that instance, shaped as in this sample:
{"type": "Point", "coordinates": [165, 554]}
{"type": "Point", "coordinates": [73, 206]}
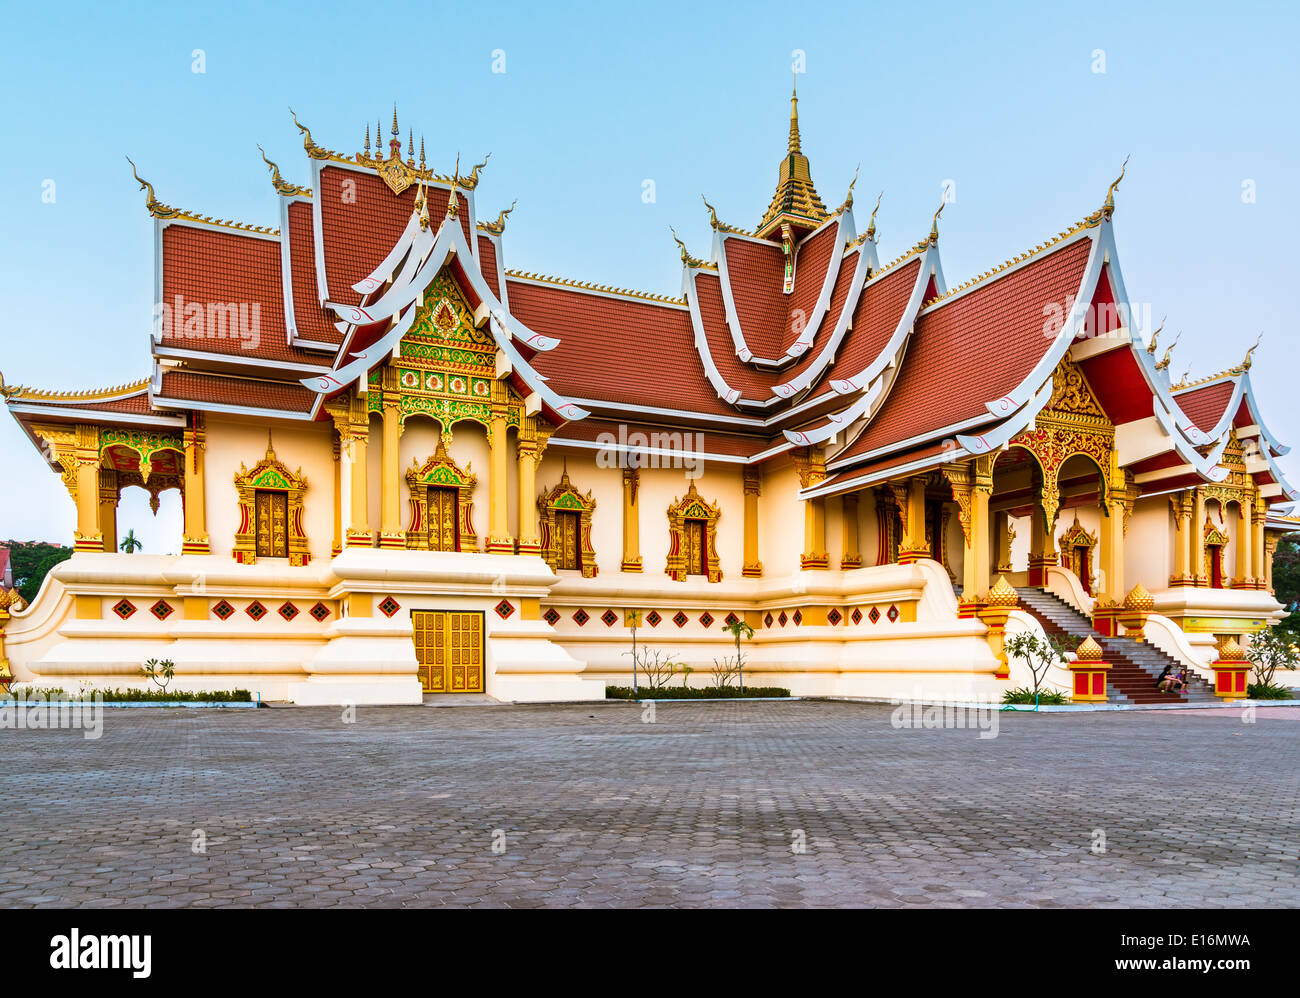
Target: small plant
{"type": "Point", "coordinates": [739, 629]}
{"type": "Point", "coordinates": [1040, 654]}
{"type": "Point", "coordinates": [1025, 695]}
{"type": "Point", "coordinates": [657, 666]}
{"type": "Point", "coordinates": [131, 544]}
{"type": "Point", "coordinates": [686, 675]}
{"type": "Point", "coordinates": [724, 671]}
{"type": "Point", "coordinates": [698, 693]}
{"type": "Point", "coordinates": [1268, 691]}
{"type": "Point", "coordinates": [1270, 650]}
{"type": "Point", "coordinates": [159, 671]}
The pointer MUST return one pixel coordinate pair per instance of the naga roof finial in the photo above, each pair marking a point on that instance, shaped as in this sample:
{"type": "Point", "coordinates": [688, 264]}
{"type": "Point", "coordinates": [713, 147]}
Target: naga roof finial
{"type": "Point", "coordinates": [1163, 363]}
{"type": "Point", "coordinates": [471, 182]}
{"type": "Point", "coordinates": [281, 185]}
{"type": "Point", "coordinates": [934, 224]}
{"type": "Point", "coordinates": [1108, 208]}
{"type": "Point", "coordinates": [499, 226]}
{"type": "Point", "coordinates": [1151, 347]}
{"type": "Point", "coordinates": [313, 150]}
{"type": "Point", "coordinates": [871, 225]}
{"type": "Point", "coordinates": [687, 259]}
{"type": "Point", "coordinates": [713, 215]}
{"type": "Point", "coordinates": [848, 198]}
{"type": "Point", "coordinates": [8, 391]}
{"type": "Point", "coordinates": [1245, 364]}
{"type": "Point", "coordinates": [156, 208]}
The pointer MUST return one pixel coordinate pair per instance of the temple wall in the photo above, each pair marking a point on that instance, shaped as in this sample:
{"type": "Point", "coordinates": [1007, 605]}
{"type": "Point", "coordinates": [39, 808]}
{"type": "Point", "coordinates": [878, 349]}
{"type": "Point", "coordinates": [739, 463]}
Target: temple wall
{"type": "Point", "coordinates": [781, 522]}
{"type": "Point", "coordinates": [1149, 545]}
{"type": "Point", "coordinates": [231, 443]}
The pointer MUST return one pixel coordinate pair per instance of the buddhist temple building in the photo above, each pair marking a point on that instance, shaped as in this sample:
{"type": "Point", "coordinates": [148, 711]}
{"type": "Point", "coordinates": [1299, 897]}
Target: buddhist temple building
{"type": "Point", "coordinates": [407, 468]}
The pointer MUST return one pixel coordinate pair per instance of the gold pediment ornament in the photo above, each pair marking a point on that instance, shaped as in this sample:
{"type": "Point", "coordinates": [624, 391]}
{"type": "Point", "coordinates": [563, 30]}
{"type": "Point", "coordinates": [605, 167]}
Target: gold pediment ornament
{"type": "Point", "coordinates": [395, 174]}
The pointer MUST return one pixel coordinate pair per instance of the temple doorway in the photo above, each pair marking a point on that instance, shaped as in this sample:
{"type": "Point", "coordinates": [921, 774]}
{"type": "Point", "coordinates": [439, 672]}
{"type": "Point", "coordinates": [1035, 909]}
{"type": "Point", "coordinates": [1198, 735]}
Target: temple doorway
{"type": "Point", "coordinates": [449, 650]}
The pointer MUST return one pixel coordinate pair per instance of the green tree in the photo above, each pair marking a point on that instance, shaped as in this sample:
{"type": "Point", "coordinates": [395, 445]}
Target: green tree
{"type": "Point", "coordinates": [31, 561]}
{"type": "Point", "coordinates": [1286, 582]}
{"type": "Point", "coordinates": [1272, 649]}
{"type": "Point", "coordinates": [131, 544]}
{"type": "Point", "coordinates": [739, 629]}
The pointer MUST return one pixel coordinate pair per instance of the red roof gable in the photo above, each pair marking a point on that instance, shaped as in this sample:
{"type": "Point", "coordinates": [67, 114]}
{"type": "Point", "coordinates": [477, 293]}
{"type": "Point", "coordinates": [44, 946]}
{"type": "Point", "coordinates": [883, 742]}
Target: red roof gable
{"type": "Point", "coordinates": [756, 272]}
{"type": "Point", "coordinates": [311, 321]}
{"type": "Point", "coordinates": [1205, 406]}
{"type": "Point", "coordinates": [193, 386]}
{"type": "Point", "coordinates": [879, 310]}
{"type": "Point", "coordinates": [974, 348]}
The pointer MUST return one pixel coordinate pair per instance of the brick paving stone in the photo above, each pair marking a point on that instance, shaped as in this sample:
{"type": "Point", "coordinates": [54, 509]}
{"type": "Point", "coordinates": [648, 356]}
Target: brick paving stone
{"type": "Point", "coordinates": [407, 806]}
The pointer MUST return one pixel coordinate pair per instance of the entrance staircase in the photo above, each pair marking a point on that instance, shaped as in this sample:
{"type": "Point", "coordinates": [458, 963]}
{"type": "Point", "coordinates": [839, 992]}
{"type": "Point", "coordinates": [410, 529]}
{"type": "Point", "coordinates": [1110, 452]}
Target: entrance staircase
{"type": "Point", "coordinates": [1135, 665]}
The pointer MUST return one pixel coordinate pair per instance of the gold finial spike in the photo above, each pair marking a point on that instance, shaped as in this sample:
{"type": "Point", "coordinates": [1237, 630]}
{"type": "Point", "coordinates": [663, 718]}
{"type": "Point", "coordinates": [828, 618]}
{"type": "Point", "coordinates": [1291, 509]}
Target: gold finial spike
{"type": "Point", "coordinates": [1109, 207]}
{"type": "Point", "coordinates": [1245, 364]}
{"type": "Point", "coordinates": [421, 152]}
{"type": "Point", "coordinates": [794, 116]}
{"type": "Point", "coordinates": [410, 146]}
{"type": "Point", "coordinates": [366, 147]}
{"type": "Point", "coordinates": [395, 133]}
{"type": "Point", "coordinates": [270, 447]}
{"type": "Point", "coordinates": [871, 225]}
{"type": "Point", "coordinates": [378, 147]}
{"type": "Point", "coordinates": [1151, 347]}
{"type": "Point", "coordinates": [453, 203]}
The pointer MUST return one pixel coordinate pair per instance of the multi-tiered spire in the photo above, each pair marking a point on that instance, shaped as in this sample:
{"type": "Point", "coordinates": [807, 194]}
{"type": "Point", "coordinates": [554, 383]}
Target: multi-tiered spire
{"type": "Point", "coordinates": [796, 202]}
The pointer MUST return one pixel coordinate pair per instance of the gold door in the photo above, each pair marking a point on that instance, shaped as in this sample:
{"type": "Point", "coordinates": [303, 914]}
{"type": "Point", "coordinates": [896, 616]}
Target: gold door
{"type": "Point", "coordinates": [442, 520]}
{"type": "Point", "coordinates": [695, 554]}
{"type": "Point", "coordinates": [568, 530]}
{"type": "Point", "coordinates": [449, 650]}
{"type": "Point", "coordinates": [271, 513]}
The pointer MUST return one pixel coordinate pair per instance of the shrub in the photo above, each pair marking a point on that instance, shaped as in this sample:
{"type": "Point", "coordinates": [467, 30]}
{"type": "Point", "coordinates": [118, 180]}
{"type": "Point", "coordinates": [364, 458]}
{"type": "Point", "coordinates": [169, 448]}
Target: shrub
{"type": "Point", "coordinates": [699, 693]}
{"type": "Point", "coordinates": [1268, 691]}
{"type": "Point", "coordinates": [1052, 698]}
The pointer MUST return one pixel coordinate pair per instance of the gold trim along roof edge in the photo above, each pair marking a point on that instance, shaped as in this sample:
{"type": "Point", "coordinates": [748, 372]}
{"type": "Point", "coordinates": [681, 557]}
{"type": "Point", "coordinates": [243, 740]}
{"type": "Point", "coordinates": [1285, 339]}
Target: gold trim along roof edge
{"type": "Point", "coordinates": [25, 394]}
{"type": "Point", "coordinates": [565, 282]}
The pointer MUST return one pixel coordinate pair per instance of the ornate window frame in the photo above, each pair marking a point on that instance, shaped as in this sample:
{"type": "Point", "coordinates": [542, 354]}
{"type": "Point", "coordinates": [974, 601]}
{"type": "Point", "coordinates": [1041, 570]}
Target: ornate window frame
{"type": "Point", "coordinates": [440, 471]}
{"type": "Point", "coordinates": [564, 498]}
{"type": "Point", "coordinates": [270, 474]}
{"type": "Point", "coordinates": [1076, 535]}
{"type": "Point", "coordinates": [692, 506]}
{"type": "Point", "coordinates": [1212, 537]}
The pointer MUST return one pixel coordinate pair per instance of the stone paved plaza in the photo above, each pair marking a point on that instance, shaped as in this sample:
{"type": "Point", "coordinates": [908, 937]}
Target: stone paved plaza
{"type": "Point", "coordinates": [587, 805]}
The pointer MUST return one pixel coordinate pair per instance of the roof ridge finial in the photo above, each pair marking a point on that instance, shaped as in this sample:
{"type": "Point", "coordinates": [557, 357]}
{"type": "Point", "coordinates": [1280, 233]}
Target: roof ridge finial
{"type": "Point", "coordinates": [687, 259]}
{"type": "Point", "coordinates": [312, 149]}
{"type": "Point", "coordinates": [499, 226]}
{"type": "Point", "coordinates": [471, 182]}
{"type": "Point", "coordinates": [366, 147]}
{"type": "Point", "coordinates": [453, 203]}
{"type": "Point", "coordinates": [1163, 362]}
{"type": "Point", "coordinates": [1245, 364]}
{"type": "Point", "coordinates": [410, 147]}
{"type": "Point", "coordinates": [848, 198]}
{"type": "Point", "coordinates": [934, 224]}
{"type": "Point", "coordinates": [1108, 208]}
{"type": "Point", "coordinates": [422, 167]}
{"type": "Point", "coordinates": [1151, 347]}
{"type": "Point", "coordinates": [394, 120]}
{"type": "Point", "coordinates": [713, 215]}
{"type": "Point", "coordinates": [871, 225]}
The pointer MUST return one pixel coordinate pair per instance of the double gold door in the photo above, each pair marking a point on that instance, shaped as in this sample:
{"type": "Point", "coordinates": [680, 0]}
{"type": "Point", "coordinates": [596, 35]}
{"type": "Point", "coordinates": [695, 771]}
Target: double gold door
{"type": "Point", "coordinates": [271, 513]}
{"type": "Point", "coordinates": [449, 650]}
{"type": "Point", "coordinates": [696, 548]}
{"type": "Point", "coordinates": [442, 519]}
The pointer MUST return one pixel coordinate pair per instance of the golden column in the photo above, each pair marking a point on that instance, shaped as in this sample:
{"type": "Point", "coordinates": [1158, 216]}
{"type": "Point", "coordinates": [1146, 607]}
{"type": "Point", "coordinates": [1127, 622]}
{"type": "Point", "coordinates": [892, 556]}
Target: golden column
{"type": "Point", "coordinates": [528, 455]}
{"type": "Point", "coordinates": [109, 494]}
{"type": "Point", "coordinates": [196, 539]}
{"type": "Point", "coordinates": [351, 417]}
{"type": "Point", "coordinates": [1245, 578]}
{"type": "Point", "coordinates": [89, 536]}
{"type": "Point", "coordinates": [1112, 536]}
{"type": "Point", "coordinates": [1003, 535]}
{"type": "Point", "coordinates": [1263, 558]}
{"type": "Point", "coordinates": [1042, 543]}
{"type": "Point", "coordinates": [391, 534]}
{"type": "Point", "coordinates": [753, 567]}
{"type": "Point", "coordinates": [1182, 511]}
{"type": "Point", "coordinates": [911, 503]}
{"type": "Point", "coordinates": [336, 451]}
{"type": "Point", "coordinates": [852, 555]}
{"type": "Point", "coordinates": [499, 540]}
{"type": "Point", "coordinates": [981, 493]}
{"type": "Point", "coordinates": [811, 465]}
{"type": "Point", "coordinates": [631, 521]}
{"type": "Point", "coordinates": [1197, 546]}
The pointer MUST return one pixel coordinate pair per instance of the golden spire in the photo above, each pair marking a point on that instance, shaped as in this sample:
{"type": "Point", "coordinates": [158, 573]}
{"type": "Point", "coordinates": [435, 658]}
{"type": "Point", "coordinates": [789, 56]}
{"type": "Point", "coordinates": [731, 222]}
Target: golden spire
{"type": "Point", "coordinates": [378, 148]}
{"type": "Point", "coordinates": [796, 202]}
{"type": "Point", "coordinates": [410, 147]}
{"type": "Point", "coordinates": [394, 121]}
{"type": "Point", "coordinates": [687, 259]}
{"type": "Point", "coordinates": [453, 204]}
{"type": "Point", "coordinates": [421, 152]}
{"type": "Point", "coordinates": [794, 116]}
{"type": "Point", "coordinates": [366, 147]}
{"type": "Point", "coordinates": [1151, 347]}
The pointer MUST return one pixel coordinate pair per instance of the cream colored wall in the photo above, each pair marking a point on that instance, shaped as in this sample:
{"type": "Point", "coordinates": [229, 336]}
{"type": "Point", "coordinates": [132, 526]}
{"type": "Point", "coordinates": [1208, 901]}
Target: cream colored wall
{"type": "Point", "coordinates": [1020, 543]}
{"type": "Point", "coordinates": [781, 521]}
{"type": "Point", "coordinates": [606, 487]}
{"type": "Point", "coordinates": [374, 472]}
{"type": "Point", "coordinates": [469, 449]}
{"type": "Point", "coordinates": [231, 442]}
{"type": "Point", "coordinates": [1149, 545]}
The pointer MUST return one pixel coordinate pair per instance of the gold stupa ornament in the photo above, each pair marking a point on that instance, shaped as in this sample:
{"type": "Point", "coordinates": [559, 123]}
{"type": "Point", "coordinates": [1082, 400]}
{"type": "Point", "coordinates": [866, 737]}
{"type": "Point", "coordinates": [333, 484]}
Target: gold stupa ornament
{"type": "Point", "coordinates": [1089, 651]}
{"type": "Point", "coordinates": [1139, 599]}
{"type": "Point", "coordinates": [796, 200]}
{"type": "Point", "coordinates": [1230, 651]}
{"type": "Point", "coordinates": [1002, 593]}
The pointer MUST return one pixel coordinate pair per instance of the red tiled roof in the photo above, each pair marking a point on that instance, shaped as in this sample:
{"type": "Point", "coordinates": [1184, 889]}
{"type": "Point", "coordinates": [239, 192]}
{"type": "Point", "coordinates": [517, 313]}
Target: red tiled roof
{"type": "Point", "coordinates": [879, 310]}
{"type": "Point", "coordinates": [191, 386]}
{"type": "Point", "coordinates": [757, 273]}
{"type": "Point", "coordinates": [811, 265]}
{"type": "Point", "coordinates": [487, 261]}
{"type": "Point", "coordinates": [1204, 406]}
{"type": "Point", "coordinates": [362, 222]}
{"type": "Point", "coordinates": [210, 267]}
{"type": "Point", "coordinates": [974, 349]}
{"type": "Point", "coordinates": [312, 322]}
{"type": "Point", "coordinates": [665, 437]}
{"type": "Point", "coordinates": [616, 349]}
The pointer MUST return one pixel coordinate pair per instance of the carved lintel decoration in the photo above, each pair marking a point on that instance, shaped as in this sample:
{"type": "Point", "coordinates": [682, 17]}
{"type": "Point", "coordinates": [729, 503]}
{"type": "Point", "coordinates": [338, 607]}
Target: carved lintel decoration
{"type": "Point", "coordinates": [900, 490]}
{"type": "Point", "coordinates": [810, 462]}
{"type": "Point", "coordinates": [564, 498]}
{"type": "Point", "coordinates": [632, 482]}
{"type": "Point", "coordinates": [753, 481]}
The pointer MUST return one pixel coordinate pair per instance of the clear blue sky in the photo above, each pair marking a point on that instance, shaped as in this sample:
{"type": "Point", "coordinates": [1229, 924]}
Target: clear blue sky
{"type": "Point", "coordinates": [596, 99]}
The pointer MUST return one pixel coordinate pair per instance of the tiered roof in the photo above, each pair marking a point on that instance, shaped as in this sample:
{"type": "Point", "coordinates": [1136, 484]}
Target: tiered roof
{"type": "Point", "coordinates": [791, 336]}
